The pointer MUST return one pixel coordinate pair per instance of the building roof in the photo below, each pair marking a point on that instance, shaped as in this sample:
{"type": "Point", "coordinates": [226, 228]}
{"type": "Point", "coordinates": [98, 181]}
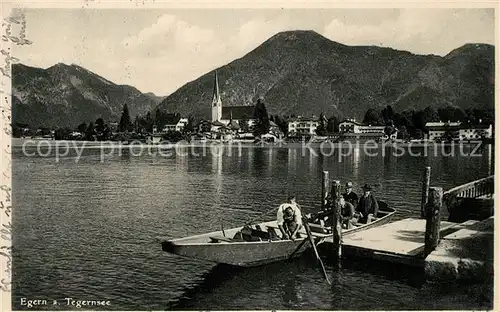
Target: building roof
{"type": "Point", "coordinates": [363, 135]}
{"type": "Point", "coordinates": [352, 121]}
{"type": "Point", "coordinates": [442, 124]}
{"type": "Point", "coordinates": [481, 126]}
{"type": "Point", "coordinates": [443, 128]}
{"type": "Point", "coordinates": [172, 119]}
{"type": "Point", "coordinates": [238, 112]}
{"type": "Point", "coordinates": [302, 118]}
{"type": "Point", "coordinates": [216, 96]}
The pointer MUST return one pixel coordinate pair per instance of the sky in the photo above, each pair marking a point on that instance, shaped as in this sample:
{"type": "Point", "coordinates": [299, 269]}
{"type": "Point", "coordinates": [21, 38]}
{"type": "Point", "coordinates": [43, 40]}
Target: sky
{"type": "Point", "coordinates": [159, 50]}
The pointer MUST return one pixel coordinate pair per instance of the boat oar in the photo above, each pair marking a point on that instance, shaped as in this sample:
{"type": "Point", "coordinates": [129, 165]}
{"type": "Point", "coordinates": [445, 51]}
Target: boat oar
{"type": "Point", "coordinates": [309, 235]}
{"type": "Point", "coordinates": [297, 249]}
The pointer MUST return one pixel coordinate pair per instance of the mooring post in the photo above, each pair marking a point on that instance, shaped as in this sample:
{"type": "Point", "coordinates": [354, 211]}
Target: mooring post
{"type": "Point", "coordinates": [426, 181]}
{"type": "Point", "coordinates": [324, 189]}
{"type": "Point", "coordinates": [337, 221]}
{"type": "Point", "coordinates": [433, 219]}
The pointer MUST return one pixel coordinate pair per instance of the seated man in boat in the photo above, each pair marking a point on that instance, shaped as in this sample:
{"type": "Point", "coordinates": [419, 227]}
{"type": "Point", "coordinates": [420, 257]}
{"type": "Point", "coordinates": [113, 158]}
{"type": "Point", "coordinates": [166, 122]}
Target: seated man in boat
{"type": "Point", "coordinates": [367, 208]}
{"type": "Point", "coordinates": [289, 219]}
{"type": "Point", "coordinates": [348, 211]}
{"type": "Point", "coordinates": [349, 195]}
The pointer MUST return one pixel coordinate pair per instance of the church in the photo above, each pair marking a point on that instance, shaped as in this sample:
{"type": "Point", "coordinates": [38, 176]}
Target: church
{"type": "Point", "coordinates": [229, 117]}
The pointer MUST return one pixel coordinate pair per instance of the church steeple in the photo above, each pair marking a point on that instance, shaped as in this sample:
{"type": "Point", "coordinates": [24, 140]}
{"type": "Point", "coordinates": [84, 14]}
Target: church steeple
{"type": "Point", "coordinates": [216, 101]}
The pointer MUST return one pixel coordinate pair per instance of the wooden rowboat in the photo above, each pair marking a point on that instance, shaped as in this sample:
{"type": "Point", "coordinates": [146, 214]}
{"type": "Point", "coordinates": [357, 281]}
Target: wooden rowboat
{"type": "Point", "coordinates": [258, 244]}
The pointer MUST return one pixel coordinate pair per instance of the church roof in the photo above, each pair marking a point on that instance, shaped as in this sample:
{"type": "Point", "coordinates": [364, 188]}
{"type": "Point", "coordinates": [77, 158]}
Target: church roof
{"type": "Point", "coordinates": [237, 112]}
{"type": "Point", "coordinates": [216, 96]}
{"type": "Point", "coordinates": [217, 123]}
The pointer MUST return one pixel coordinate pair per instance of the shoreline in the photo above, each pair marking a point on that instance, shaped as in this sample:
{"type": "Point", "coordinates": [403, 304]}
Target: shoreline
{"type": "Point", "coordinates": [19, 142]}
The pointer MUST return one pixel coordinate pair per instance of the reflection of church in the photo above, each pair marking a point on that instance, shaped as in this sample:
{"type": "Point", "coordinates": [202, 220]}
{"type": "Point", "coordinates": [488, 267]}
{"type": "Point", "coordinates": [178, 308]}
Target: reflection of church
{"type": "Point", "coordinates": [229, 117]}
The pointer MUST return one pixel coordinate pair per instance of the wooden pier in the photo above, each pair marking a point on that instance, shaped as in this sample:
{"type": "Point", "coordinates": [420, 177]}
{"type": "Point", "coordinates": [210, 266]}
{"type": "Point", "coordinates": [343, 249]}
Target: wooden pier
{"type": "Point", "coordinates": [402, 241]}
{"type": "Point", "coordinates": [410, 241]}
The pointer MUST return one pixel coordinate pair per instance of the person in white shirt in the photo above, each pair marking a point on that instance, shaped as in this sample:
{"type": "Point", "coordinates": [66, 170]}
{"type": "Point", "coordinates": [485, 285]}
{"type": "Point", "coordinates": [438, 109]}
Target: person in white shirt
{"type": "Point", "coordinates": [289, 219]}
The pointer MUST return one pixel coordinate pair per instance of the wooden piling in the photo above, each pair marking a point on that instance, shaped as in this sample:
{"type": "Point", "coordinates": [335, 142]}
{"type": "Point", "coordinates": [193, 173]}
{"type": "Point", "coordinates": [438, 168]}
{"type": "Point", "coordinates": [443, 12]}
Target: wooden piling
{"type": "Point", "coordinates": [337, 221]}
{"type": "Point", "coordinates": [324, 189]}
{"type": "Point", "coordinates": [426, 181]}
{"type": "Point", "coordinates": [433, 219]}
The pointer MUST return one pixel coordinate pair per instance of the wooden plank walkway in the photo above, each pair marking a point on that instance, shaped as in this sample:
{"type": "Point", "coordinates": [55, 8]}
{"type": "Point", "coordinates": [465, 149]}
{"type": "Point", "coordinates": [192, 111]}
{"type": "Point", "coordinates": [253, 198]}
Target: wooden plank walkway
{"type": "Point", "coordinates": [401, 241]}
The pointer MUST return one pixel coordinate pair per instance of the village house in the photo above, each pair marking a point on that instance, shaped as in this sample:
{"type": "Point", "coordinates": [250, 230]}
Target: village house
{"type": "Point", "coordinates": [457, 131]}
{"type": "Point", "coordinates": [475, 132]}
{"type": "Point", "coordinates": [175, 124]}
{"type": "Point", "coordinates": [303, 125]}
{"type": "Point", "coordinates": [352, 126]}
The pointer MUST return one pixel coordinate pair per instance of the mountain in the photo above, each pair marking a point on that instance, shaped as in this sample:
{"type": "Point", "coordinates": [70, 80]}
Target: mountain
{"type": "Point", "coordinates": [304, 73]}
{"type": "Point", "coordinates": [67, 95]}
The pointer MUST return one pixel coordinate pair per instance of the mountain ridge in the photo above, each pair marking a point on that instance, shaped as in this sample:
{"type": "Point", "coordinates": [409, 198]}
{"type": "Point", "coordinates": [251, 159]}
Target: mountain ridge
{"type": "Point", "coordinates": [295, 72]}
{"type": "Point", "coordinates": [302, 72]}
{"type": "Point", "coordinates": [66, 95]}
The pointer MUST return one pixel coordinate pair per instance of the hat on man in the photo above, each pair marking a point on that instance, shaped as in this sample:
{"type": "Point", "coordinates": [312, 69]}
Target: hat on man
{"type": "Point", "coordinates": [367, 187]}
{"type": "Point", "coordinates": [348, 185]}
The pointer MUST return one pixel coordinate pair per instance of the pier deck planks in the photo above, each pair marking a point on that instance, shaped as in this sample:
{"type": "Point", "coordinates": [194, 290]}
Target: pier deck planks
{"type": "Point", "coordinates": [401, 238]}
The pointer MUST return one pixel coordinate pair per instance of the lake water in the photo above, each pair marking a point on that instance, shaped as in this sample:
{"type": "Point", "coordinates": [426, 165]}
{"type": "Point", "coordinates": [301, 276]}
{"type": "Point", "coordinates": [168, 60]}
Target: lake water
{"type": "Point", "coordinates": [89, 229]}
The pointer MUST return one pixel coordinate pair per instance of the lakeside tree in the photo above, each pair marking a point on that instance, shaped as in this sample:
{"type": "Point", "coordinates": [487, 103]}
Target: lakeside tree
{"type": "Point", "coordinates": [262, 124]}
{"type": "Point", "coordinates": [372, 117]}
{"type": "Point", "coordinates": [431, 114]}
{"type": "Point", "coordinates": [243, 123]}
{"type": "Point", "coordinates": [125, 122]}
{"type": "Point", "coordinates": [403, 133]}
{"type": "Point", "coordinates": [190, 125]}
{"type": "Point", "coordinates": [322, 125]}
{"type": "Point", "coordinates": [332, 125]}
{"type": "Point", "coordinates": [99, 125]}
{"type": "Point", "coordinates": [282, 123]}
{"type": "Point", "coordinates": [82, 128]}
{"type": "Point", "coordinates": [388, 114]}
{"type": "Point", "coordinates": [62, 133]}
{"type": "Point", "coordinates": [90, 132]}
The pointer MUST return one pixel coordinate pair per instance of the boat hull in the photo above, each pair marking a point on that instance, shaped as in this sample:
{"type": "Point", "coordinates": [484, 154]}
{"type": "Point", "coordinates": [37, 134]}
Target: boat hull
{"type": "Point", "coordinates": [244, 254]}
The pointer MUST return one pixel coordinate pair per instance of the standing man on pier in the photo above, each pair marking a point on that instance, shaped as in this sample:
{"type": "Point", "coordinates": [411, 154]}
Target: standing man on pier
{"type": "Point", "coordinates": [367, 208]}
{"type": "Point", "coordinates": [289, 218]}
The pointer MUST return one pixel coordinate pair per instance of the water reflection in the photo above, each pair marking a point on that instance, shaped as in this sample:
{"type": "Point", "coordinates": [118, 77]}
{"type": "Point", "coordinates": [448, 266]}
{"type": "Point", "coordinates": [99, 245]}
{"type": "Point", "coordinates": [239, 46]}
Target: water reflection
{"type": "Point", "coordinates": [289, 292]}
{"type": "Point", "coordinates": [259, 161]}
{"type": "Point", "coordinates": [292, 159]}
{"type": "Point", "coordinates": [355, 161]}
{"type": "Point", "coordinates": [92, 225]}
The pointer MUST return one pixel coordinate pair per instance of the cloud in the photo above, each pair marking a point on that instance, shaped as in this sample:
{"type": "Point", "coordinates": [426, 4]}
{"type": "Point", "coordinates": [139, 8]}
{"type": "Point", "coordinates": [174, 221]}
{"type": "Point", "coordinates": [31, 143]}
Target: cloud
{"type": "Point", "coordinates": [256, 31]}
{"type": "Point", "coordinates": [166, 34]}
{"type": "Point", "coordinates": [175, 51]}
{"type": "Point", "coordinates": [418, 30]}
{"type": "Point", "coordinates": [160, 53]}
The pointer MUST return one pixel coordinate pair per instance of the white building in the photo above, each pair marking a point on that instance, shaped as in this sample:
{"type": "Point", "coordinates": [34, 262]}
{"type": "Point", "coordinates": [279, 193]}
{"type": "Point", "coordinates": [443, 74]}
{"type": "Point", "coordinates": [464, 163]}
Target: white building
{"type": "Point", "coordinates": [476, 132]}
{"type": "Point", "coordinates": [176, 125]}
{"type": "Point", "coordinates": [303, 125]}
{"type": "Point", "coordinates": [457, 131]}
{"type": "Point", "coordinates": [349, 126]}
{"type": "Point", "coordinates": [352, 126]}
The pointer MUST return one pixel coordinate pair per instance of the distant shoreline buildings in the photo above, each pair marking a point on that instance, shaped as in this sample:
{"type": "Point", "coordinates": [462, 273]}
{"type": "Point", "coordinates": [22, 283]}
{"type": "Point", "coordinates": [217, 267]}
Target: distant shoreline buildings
{"type": "Point", "coordinates": [237, 122]}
